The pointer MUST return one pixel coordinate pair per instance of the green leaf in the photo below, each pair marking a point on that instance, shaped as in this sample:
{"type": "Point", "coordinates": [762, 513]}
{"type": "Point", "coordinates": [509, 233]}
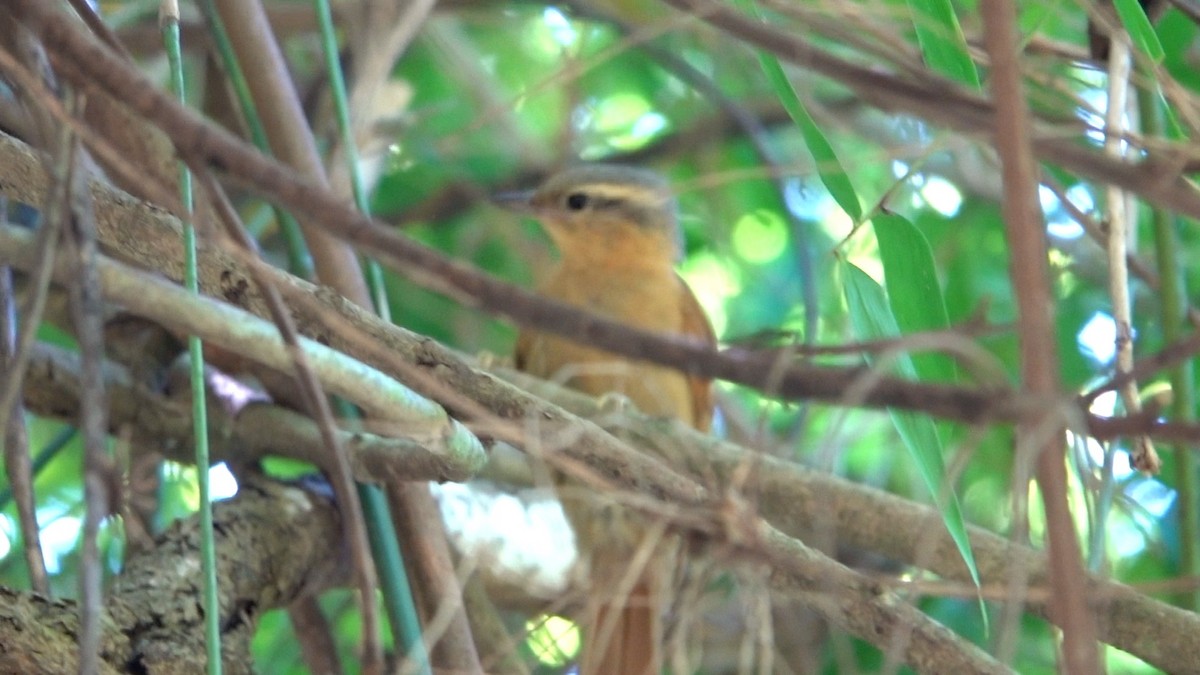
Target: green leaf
{"type": "Point", "coordinates": [1174, 128]}
{"type": "Point", "coordinates": [1141, 31]}
{"type": "Point", "coordinates": [913, 290]}
{"type": "Point", "coordinates": [942, 42]}
{"type": "Point", "coordinates": [829, 168]}
{"type": "Point", "coordinates": [872, 318]}
{"type": "Point", "coordinates": [1177, 34]}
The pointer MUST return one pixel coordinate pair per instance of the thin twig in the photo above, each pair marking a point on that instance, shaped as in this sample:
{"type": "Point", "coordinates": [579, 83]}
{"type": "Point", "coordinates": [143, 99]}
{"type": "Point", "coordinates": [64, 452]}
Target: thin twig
{"type": "Point", "coordinates": [14, 436]}
{"type": "Point", "coordinates": [79, 242]}
{"type": "Point", "coordinates": [1119, 209]}
{"type": "Point", "coordinates": [34, 306]}
{"type": "Point", "coordinates": [1040, 439]}
{"type": "Point", "coordinates": [335, 264]}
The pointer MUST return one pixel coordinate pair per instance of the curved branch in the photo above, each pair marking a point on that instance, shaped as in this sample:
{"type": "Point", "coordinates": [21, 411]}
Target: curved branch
{"type": "Point", "coordinates": [239, 435]}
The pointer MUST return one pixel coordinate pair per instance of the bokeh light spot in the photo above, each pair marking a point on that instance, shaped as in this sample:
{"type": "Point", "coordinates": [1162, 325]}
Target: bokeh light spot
{"type": "Point", "coordinates": [759, 236]}
{"type": "Point", "coordinates": [1098, 338]}
{"type": "Point", "coordinates": [627, 121]}
{"type": "Point", "coordinates": [553, 639]}
{"type": "Point", "coordinates": [714, 283]}
{"type": "Point", "coordinates": [941, 195]}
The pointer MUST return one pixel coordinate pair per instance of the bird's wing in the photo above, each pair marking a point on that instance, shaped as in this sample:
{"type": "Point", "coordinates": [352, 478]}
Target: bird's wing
{"type": "Point", "coordinates": [521, 350]}
{"type": "Point", "coordinates": [695, 324]}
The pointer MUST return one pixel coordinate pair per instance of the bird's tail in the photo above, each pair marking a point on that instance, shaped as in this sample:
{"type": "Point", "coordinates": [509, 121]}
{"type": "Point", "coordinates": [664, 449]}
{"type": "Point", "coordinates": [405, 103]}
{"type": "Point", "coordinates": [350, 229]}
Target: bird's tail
{"type": "Point", "coordinates": [623, 635]}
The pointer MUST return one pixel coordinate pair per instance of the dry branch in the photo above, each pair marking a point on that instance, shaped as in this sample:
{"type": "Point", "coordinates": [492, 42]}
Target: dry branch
{"type": "Point", "coordinates": [240, 435]}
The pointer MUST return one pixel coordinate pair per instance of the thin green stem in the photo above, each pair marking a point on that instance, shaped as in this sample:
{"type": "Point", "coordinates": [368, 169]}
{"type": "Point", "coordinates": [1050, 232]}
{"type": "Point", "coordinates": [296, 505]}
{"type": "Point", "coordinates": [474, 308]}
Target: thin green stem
{"type": "Point", "coordinates": [341, 111]}
{"type": "Point", "coordinates": [1172, 317]}
{"type": "Point", "coordinates": [393, 582]}
{"type": "Point", "coordinates": [1098, 536]}
{"type": "Point", "coordinates": [208, 549]}
{"type": "Point", "coordinates": [397, 594]}
{"type": "Point", "coordinates": [299, 260]}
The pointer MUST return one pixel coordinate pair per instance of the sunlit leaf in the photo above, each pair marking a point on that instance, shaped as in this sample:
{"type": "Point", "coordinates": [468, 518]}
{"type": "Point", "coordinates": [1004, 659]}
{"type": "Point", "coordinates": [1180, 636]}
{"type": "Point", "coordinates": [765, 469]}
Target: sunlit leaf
{"type": "Point", "coordinates": [1134, 18]}
{"type": "Point", "coordinates": [833, 175]}
{"type": "Point", "coordinates": [871, 316]}
{"type": "Point", "coordinates": [942, 42]}
{"type": "Point", "coordinates": [913, 291]}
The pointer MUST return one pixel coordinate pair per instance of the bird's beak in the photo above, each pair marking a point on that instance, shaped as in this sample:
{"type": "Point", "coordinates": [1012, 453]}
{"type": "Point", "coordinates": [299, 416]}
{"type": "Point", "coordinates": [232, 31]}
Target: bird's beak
{"type": "Point", "coordinates": [520, 202]}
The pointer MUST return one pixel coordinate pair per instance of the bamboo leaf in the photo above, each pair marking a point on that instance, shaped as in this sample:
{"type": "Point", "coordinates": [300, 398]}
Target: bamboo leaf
{"type": "Point", "coordinates": [913, 291]}
{"type": "Point", "coordinates": [829, 168]}
{"type": "Point", "coordinates": [872, 318]}
{"type": "Point", "coordinates": [942, 41]}
{"type": "Point", "coordinates": [1141, 31]}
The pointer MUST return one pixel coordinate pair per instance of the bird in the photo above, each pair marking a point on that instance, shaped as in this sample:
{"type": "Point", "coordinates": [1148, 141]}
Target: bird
{"type": "Point", "coordinates": [617, 234]}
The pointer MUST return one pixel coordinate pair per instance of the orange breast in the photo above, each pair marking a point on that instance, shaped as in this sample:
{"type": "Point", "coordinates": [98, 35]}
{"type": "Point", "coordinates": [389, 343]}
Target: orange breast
{"type": "Point", "coordinates": [658, 301]}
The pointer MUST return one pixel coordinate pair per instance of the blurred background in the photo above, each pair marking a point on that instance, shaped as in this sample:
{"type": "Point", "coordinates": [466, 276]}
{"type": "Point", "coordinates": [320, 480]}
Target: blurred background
{"type": "Point", "coordinates": [493, 96]}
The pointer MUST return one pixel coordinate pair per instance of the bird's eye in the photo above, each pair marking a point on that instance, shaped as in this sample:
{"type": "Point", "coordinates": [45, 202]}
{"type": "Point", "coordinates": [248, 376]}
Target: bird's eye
{"type": "Point", "coordinates": [577, 201]}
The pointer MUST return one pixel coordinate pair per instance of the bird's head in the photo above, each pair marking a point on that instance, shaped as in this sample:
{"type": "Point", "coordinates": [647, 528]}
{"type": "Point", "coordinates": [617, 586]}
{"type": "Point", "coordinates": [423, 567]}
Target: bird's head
{"type": "Point", "coordinates": [593, 208]}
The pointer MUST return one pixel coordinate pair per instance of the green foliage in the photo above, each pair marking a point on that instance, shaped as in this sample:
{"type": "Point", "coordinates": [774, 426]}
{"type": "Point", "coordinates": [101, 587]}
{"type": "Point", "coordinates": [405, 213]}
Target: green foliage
{"type": "Point", "coordinates": [942, 42]}
{"type": "Point", "coordinates": [913, 292]}
{"type": "Point", "coordinates": [1144, 39]}
{"type": "Point", "coordinates": [872, 317]}
{"type": "Point", "coordinates": [503, 92]}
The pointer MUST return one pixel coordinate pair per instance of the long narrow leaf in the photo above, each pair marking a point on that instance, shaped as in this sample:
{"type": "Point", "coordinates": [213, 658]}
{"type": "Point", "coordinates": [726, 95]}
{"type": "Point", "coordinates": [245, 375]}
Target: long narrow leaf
{"type": "Point", "coordinates": [829, 167]}
{"type": "Point", "coordinates": [942, 41]}
{"type": "Point", "coordinates": [872, 320]}
{"type": "Point", "coordinates": [913, 291]}
{"type": "Point", "coordinates": [1141, 31]}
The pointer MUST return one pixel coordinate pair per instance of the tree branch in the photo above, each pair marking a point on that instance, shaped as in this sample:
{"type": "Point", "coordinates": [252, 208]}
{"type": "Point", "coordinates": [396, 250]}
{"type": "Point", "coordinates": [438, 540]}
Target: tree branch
{"type": "Point", "coordinates": [805, 503]}
{"type": "Point", "coordinates": [275, 543]}
{"type": "Point", "coordinates": [240, 433]}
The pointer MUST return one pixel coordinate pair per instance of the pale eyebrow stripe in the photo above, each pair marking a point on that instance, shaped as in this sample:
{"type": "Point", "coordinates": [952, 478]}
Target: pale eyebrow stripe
{"type": "Point", "coordinates": [629, 193]}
